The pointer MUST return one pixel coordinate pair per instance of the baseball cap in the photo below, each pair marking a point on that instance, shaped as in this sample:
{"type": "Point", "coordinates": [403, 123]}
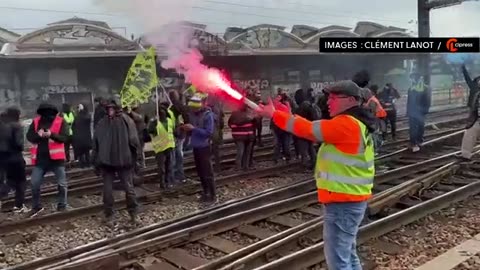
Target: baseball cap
{"type": "Point", "coordinates": [347, 88]}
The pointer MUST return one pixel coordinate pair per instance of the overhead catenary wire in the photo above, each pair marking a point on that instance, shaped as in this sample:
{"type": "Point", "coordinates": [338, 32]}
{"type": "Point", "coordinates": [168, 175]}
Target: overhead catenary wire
{"type": "Point", "coordinates": [324, 13]}
{"type": "Point", "coordinates": [317, 22]}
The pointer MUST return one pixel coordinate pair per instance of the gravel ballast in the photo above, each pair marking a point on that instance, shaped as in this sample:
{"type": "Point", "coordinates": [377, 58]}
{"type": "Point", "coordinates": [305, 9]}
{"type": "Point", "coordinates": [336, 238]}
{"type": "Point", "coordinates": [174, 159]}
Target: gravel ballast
{"type": "Point", "coordinates": [41, 241]}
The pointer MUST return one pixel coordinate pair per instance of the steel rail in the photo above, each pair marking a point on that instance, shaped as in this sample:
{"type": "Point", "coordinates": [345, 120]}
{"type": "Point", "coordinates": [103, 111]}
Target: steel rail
{"type": "Point", "coordinates": [154, 196]}
{"type": "Point", "coordinates": [96, 245]}
{"type": "Point", "coordinates": [93, 184]}
{"type": "Point", "coordinates": [251, 254]}
{"type": "Point", "coordinates": [268, 137]}
{"type": "Point", "coordinates": [140, 246]}
{"type": "Point", "coordinates": [380, 200]}
{"type": "Point", "coordinates": [313, 255]}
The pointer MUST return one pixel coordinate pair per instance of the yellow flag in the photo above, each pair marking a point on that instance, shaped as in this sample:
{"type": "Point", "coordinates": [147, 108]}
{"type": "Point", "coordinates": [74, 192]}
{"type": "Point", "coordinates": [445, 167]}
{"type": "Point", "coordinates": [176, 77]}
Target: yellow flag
{"type": "Point", "coordinates": [141, 79]}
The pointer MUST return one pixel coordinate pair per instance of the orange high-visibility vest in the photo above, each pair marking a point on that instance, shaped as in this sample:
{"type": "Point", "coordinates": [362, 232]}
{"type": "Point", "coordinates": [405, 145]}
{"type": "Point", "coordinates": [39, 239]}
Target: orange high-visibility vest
{"type": "Point", "coordinates": [56, 150]}
{"type": "Point", "coordinates": [380, 112]}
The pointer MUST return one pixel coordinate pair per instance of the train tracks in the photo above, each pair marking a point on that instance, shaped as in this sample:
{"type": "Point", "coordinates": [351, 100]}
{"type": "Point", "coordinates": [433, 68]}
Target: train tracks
{"type": "Point", "coordinates": [90, 185]}
{"type": "Point", "coordinates": [418, 198]}
{"type": "Point", "coordinates": [177, 243]}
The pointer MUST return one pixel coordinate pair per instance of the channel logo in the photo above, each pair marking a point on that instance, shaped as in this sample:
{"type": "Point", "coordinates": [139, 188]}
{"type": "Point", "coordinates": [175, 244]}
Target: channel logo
{"type": "Point", "coordinates": [451, 44]}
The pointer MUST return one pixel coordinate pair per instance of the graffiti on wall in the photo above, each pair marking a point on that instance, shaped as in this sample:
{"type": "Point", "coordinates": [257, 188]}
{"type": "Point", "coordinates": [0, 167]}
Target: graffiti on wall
{"type": "Point", "coordinates": [59, 89]}
{"type": "Point", "coordinates": [319, 86]}
{"type": "Point", "coordinates": [77, 35]}
{"type": "Point", "coordinates": [253, 85]}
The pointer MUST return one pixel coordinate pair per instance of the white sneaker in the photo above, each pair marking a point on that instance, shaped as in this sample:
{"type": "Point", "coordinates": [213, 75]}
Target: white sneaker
{"type": "Point", "coordinates": [415, 149]}
{"type": "Point", "coordinates": [20, 210]}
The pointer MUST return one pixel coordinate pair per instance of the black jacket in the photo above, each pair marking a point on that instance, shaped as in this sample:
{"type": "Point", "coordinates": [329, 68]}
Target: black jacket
{"type": "Point", "coordinates": [11, 142]}
{"type": "Point", "coordinates": [47, 113]}
{"type": "Point", "coordinates": [115, 142]}
{"type": "Point", "coordinates": [365, 116]}
{"type": "Point", "coordinates": [82, 132]}
{"type": "Point", "coordinates": [100, 112]}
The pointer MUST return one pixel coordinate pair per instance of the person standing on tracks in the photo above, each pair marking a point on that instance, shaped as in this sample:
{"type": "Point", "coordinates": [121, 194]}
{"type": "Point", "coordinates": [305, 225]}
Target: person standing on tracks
{"type": "Point", "coordinates": [217, 139]}
{"type": "Point", "coordinates": [99, 110]}
{"type": "Point", "coordinates": [116, 148]}
{"type": "Point", "coordinates": [418, 105]}
{"type": "Point", "coordinates": [306, 109]}
{"type": "Point", "coordinates": [82, 136]}
{"type": "Point", "coordinates": [473, 127]}
{"type": "Point", "coordinates": [282, 138]}
{"type": "Point", "coordinates": [344, 170]}
{"type": "Point", "coordinates": [48, 134]}
{"type": "Point", "coordinates": [374, 104]}
{"type": "Point", "coordinates": [69, 118]}
{"type": "Point", "coordinates": [242, 124]}
{"type": "Point", "coordinates": [139, 121]}
{"type": "Point", "coordinates": [179, 110]}
{"type": "Point", "coordinates": [12, 163]}
{"type": "Point", "coordinates": [257, 98]}
{"type": "Point", "coordinates": [163, 144]}
{"type": "Point", "coordinates": [201, 128]}
{"type": "Point", "coordinates": [387, 98]}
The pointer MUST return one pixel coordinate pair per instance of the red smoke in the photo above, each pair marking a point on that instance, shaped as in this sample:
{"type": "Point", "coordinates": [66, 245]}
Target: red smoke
{"type": "Point", "coordinates": [204, 78]}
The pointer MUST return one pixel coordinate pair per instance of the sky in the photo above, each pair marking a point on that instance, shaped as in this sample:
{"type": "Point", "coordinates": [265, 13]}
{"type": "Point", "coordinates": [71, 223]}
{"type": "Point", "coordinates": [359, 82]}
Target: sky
{"type": "Point", "coordinates": [23, 16]}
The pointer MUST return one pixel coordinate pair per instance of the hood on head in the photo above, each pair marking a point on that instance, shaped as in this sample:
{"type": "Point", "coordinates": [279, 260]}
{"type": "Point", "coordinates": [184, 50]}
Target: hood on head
{"type": "Point", "coordinates": [13, 113]}
{"type": "Point", "coordinates": [47, 109]}
{"type": "Point", "coordinates": [299, 96]}
{"type": "Point", "coordinates": [361, 78]}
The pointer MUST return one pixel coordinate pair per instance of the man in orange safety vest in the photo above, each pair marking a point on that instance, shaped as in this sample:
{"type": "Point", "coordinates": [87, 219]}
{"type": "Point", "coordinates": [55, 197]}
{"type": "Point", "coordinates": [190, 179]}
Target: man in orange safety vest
{"type": "Point", "coordinates": [344, 170]}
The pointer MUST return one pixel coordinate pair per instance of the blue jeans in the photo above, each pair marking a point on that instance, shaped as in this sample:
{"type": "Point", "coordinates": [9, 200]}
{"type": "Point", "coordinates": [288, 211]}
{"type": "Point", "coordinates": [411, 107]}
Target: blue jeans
{"type": "Point", "coordinates": [178, 172]}
{"type": "Point", "coordinates": [340, 228]}
{"type": "Point", "coordinates": [37, 180]}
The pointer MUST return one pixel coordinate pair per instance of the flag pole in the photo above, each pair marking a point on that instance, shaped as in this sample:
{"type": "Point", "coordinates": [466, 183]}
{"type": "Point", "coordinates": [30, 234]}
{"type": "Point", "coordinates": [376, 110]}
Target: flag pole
{"type": "Point", "coordinates": [156, 102]}
{"type": "Point", "coordinates": [166, 94]}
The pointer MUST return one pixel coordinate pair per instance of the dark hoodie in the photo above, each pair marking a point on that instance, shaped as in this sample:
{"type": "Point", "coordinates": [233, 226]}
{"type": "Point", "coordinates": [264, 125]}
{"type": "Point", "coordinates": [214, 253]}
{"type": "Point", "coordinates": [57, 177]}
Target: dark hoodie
{"type": "Point", "coordinates": [305, 106]}
{"type": "Point", "coordinates": [82, 131]}
{"type": "Point", "coordinates": [363, 115]}
{"type": "Point", "coordinates": [361, 78]}
{"type": "Point", "coordinates": [47, 114]}
{"type": "Point", "coordinates": [11, 136]}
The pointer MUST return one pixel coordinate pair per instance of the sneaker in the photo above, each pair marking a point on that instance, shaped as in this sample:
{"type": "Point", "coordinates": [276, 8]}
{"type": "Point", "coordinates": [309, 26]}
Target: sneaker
{"type": "Point", "coordinates": [20, 210]}
{"type": "Point", "coordinates": [415, 148]}
{"type": "Point", "coordinates": [35, 212]}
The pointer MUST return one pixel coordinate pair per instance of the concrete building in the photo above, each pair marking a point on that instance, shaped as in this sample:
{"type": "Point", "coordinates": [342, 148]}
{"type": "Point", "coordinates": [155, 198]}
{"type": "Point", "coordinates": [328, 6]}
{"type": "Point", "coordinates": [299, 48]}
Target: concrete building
{"type": "Point", "coordinates": [77, 59]}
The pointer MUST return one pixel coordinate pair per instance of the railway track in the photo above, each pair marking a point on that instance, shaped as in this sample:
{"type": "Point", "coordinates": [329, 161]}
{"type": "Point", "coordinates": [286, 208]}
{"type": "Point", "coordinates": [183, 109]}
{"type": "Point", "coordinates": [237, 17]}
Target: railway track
{"type": "Point", "coordinates": [229, 149]}
{"type": "Point", "coordinates": [85, 182]}
{"type": "Point", "coordinates": [402, 124]}
{"type": "Point", "coordinates": [84, 192]}
{"type": "Point", "coordinates": [400, 206]}
{"type": "Point", "coordinates": [236, 218]}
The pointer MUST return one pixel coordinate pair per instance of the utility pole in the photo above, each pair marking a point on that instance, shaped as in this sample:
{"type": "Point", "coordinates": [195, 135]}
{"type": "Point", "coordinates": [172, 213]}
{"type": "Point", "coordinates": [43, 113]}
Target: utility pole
{"type": "Point", "coordinates": [424, 7]}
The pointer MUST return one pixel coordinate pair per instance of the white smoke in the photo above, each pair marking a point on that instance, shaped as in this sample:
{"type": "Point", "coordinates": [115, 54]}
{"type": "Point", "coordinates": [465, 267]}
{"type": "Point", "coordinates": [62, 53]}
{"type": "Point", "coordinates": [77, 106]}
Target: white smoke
{"type": "Point", "coordinates": [159, 20]}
